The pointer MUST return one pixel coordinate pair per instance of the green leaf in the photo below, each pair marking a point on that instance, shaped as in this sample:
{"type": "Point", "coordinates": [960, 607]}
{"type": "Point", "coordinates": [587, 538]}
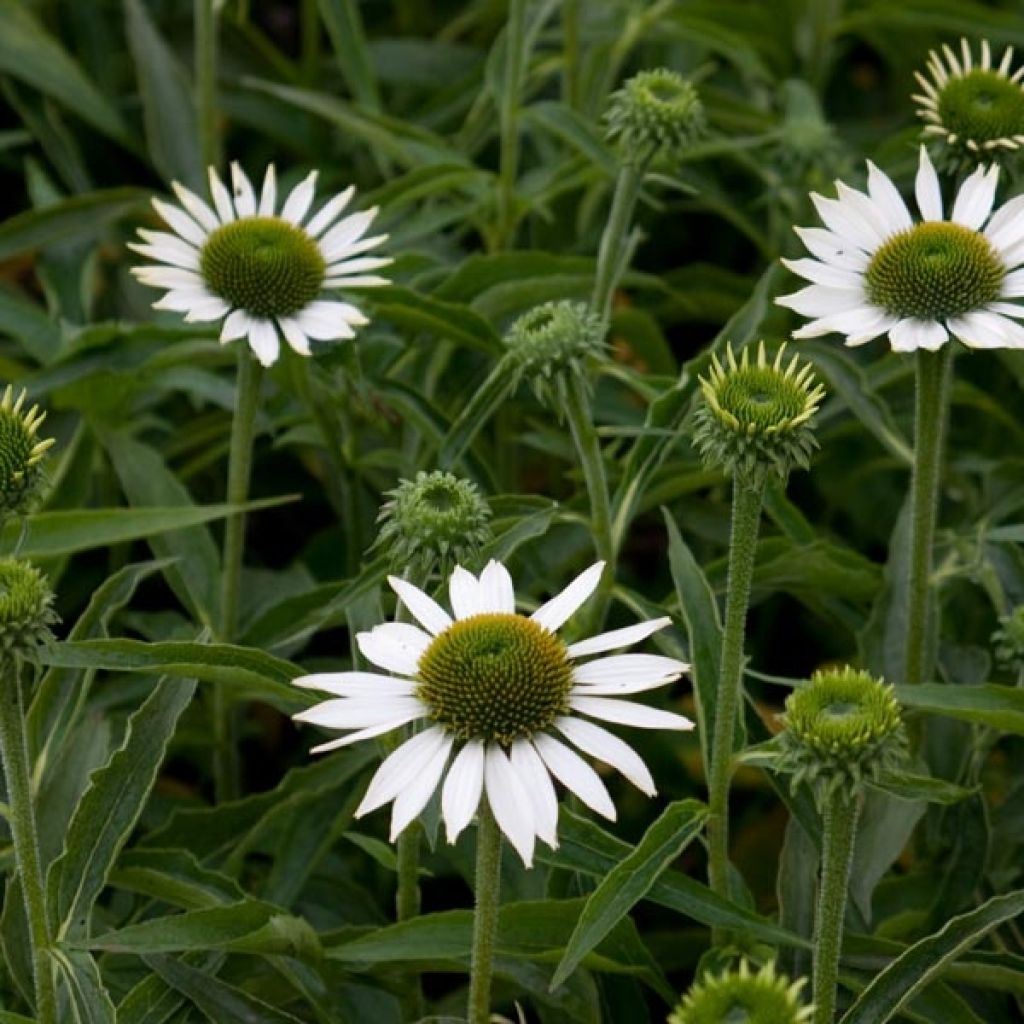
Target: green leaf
{"type": "Point", "coordinates": [219, 1002]}
{"type": "Point", "coordinates": [110, 808]}
{"type": "Point", "coordinates": [412, 311]}
{"type": "Point", "coordinates": [83, 216]}
{"type": "Point", "coordinates": [572, 128]}
{"type": "Point", "coordinates": [30, 54]}
{"type": "Point", "coordinates": [922, 787]}
{"type": "Point", "coordinates": [245, 672]}
{"type": "Point", "coordinates": [926, 960]}
{"type": "Point", "coordinates": [1001, 707]}
{"type": "Point", "coordinates": [630, 880]}
{"type": "Point", "coordinates": [29, 325]}
{"type": "Point", "coordinates": [174, 877]}
{"type": "Point", "coordinates": [88, 1001]}
{"type": "Point", "coordinates": [167, 105]}
{"type": "Point", "coordinates": [345, 28]}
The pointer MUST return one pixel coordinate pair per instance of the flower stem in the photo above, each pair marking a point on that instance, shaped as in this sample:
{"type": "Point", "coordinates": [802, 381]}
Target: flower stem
{"type": "Point", "coordinates": [407, 897]}
{"type": "Point", "coordinates": [23, 831]}
{"type": "Point", "coordinates": [842, 812]}
{"type": "Point", "coordinates": [485, 919]}
{"type": "Point", "coordinates": [226, 769]}
{"type": "Point", "coordinates": [571, 53]}
{"type": "Point", "coordinates": [206, 80]}
{"type": "Point", "coordinates": [612, 253]}
{"type": "Point", "coordinates": [933, 378]}
{"type": "Point", "coordinates": [508, 114]}
{"type": "Point", "coordinates": [748, 496]}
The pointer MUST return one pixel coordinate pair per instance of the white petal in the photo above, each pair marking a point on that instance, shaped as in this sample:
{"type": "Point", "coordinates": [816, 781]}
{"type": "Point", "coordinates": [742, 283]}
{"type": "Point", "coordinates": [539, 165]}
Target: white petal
{"type": "Point", "coordinates": [556, 612]}
{"type": "Point", "coordinates": [180, 222]}
{"type": "Point", "coordinates": [181, 300]}
{"type": "Point", "coordinates": [927, 190]}
{"type": "Point", "coordinates": [221, 198]}
{"type": "Point", "coordinates": [326, 321]}
{"type": "Point", "coordinates": [337, 244]}
{"type": "Point", "coordinates": [169, 277]}
{"type": "Point", "coordinates": [629, 668]}
{"type": "Point", "coordinates": [818, 300]}
{"type": "Point", "coordinates": [1007, 224]}
{"type": "Point", "coordinates": [357, 266]}
{"type": "Point", "coordinates": [1006, 309]}
{"type": "Point", "coordinates": [832, 249]}
{"type": "Point", "coordinates": [414, 797]}
{"type": "Point", "coordinates": [263, 341]}
{"type": "Point", "coordinates": [180, 254]}
{"type": "Point", "coordinates": [356, 684]}
{"type": "Point", "coordinates": [888, 199]}
{"type": "Point", "coordinates": [365, 734]}
{"type": "Point", "coordinates": [463, 593]}
{"type": "Point", "coordinates": [863, 206]}
{"type": "Point", "coordinates": [360, 712]}
{"type": "Point", "coordinates": [424, 608]}
{"type": "Point", "coordinates": [245, 198]}
{"type": "Point", "coordinates": [600, 743]}
{"type": "Point", "coordinates": [822, 273]}
{"type": "Point", "coordinates": [199, 211]}
{"type": "Point", "coordinates": [388, 649]}
{"type": "Point", "coordinates": [327, 214]}
{"type": "Point", "coordinates": [356, 281]}
{"type": "Point", "coordinates": [974, 200]}
{"type": "Point", "coordinates": [301, 198]}
{"type": "Point", "coordinates": [536, 780]}
{"type": "Point", "coordinates": [495, 592]}
{"type": "Point", "coordinates": [294, 335]}
{"type": "Point", "coordinates": [909, 335]}
{"type": "Point", "coordinates": [616, 638]}
{"type": "Point", "coordinates": [236, 325]}
{"type": "Point", "coordinates": [575, 774]}
{"type": "Point", "coordinates": [268, 195]}
{"type": "Point", "coordinates": [626, 712]}
{"type": "Point", "coordinates": [986, 330]}
{"type": "Point", "coordinates": [209, 309]}
{"type": "Point", "coordinates": [1013, 285]}
{"type": "Point", "coordinates": [462, 788]}
{"type": "Point", "coordinates": [846, 222]}
{"type": "Point", "coordinates": [407, 634]}
{"type": "Point", "coordinates": [860, 324]}
{"type": "Point", "coordinates": [401, 767]}
{"type": "Point", "coordinates": [509, 803]}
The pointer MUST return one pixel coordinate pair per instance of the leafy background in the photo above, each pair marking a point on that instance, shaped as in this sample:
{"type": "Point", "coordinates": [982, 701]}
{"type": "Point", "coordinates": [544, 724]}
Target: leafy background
{"type": "Point", "coordinates": [276, 906]}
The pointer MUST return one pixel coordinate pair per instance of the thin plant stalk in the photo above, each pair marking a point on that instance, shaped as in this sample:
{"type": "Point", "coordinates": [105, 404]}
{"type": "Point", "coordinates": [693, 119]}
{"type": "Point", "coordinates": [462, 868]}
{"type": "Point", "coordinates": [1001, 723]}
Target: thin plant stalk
{"type": "Point", "coordinates": [613, 251]}
{"type": "Point", "coordinates": [206, 81]}
{"type": "Point", "coordinates": [841, 814]}
{"type": "Point", "coordinates": [22, 823]}
{"type": "Point", "coordinates": [487, 883]}
{"type": "Point", "coordinates": [508, 115]}
{"type": "Point", "coordinates": [226, 768]}
{"type": "Point", "coordinates": [571, 53]}
{"type": "Point", "coordinates": [930, 413]}
{"type": "Point", "coordinates": [748, 497]}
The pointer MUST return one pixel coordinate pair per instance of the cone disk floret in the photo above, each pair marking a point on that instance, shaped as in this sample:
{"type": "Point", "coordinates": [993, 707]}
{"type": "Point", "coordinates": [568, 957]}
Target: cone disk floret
{"type": "Point", "coordinates": [433, 521]}
{"type": "Point", "coordinates": [26, 609]}
{"type": "Point", "coordinates": [842, 729]}
{"type": "Point", "coordinates": [756, 416]}
{"type": "Point", "coordinates": [495, 677]}
{"type": "Point", "coordinates": [655, 111]}
{"type": "Point", "coordinates": [1008, 640]}
{"type": "Point", "coordinates": [552, 341]}
{"type": "Point", "coordinates": [21, 454]}
{"type": "Point", "coordinates": [742, 997]}
{"type": "Point", "coordinates": [973, 110]}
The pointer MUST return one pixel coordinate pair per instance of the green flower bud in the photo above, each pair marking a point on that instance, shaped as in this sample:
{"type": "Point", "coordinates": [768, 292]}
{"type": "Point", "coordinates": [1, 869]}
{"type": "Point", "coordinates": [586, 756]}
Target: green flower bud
{"type": "Point", "coordinates": [26, 609]}
{"type": "Point", "coordinates": [21, 454]}
{"type": "Point", "coordinates": [433, 522]}
{"type": "Point", "coordinates": [842, 729]}
{"type": "Point", "coordinates": [1008, 640]}
{"type": "Point", "coordinates": [655, 111]}
{"type": "Point", "coordinates": [742, 997]}
{"type": "Point", "coordinates": [755, 417]}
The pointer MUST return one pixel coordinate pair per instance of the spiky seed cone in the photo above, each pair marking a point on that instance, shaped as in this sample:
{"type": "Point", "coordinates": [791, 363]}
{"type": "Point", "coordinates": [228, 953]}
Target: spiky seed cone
{"type": "Point", "coordinates": [21, 454]}
{"type": "Point", "coordinates": [656, 111]}
{"type": "Point", "coordinates": [741, 995]}
{"type": "Point", "coordinates": [26, 609]}
{"type": "Point", "coordinates": [756, 416]}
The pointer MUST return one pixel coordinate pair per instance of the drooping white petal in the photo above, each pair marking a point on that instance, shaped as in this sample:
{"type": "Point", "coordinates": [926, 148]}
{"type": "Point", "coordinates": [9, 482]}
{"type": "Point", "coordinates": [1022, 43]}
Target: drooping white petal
{"type": "Point", "coordinates": [337, 244]}
{"type": "Point", "coordinates": [927, 190]}
{"type": "Point", "coordinates": [888, 199]}
{"type": "Point", "coordinates": [359, 265]}
{"type": "Point", "coordinates": [986, 330]}
{"type": "Point", "coordinates": [974, 200]}
{"type": "Point", "coordinates": [536, 780]}
{"type": "Point", "coordinates": [294, 335]}
{"type": "Point", "coordinates": [268, 194]}
{"type": "Point", "coordinates": [463, 785]}
{"type": "Point", "coordinates": [414, 797]}
{"type": "Point", "coordinates": [199, 211]}
{"type": "Point", "coordinates": [832, 249]}
{"type": "Point", "coordinates": [263, 341]}
{"type": "Point", "coordinates": [626, 712]}
{"type": "Point", "coordinates": [366, 734]}
{"type": "Point", "coordinates": [400, 768]}
{"type": "Point", "coordinates": [326, 321]}
{"type": "Point", "coordinates": [359, 712]}
{"type": "Point", "coordinates": [245, 197]}
{"type": "Point", "coordinates": [819, 300]}
{"type": "Point", "coordinates": [616, 638]}
{"type": "Point", "coordinates": [179, 254]}
{"type": "Point", "coordinates": [221, 198]}
{"type": "Point", "coordinates": [300, 199]}
{"type": "Point", "coordinates": [509, 803]}
{"type": "Point", "coordinates": [1013, 285]}
{"type": "Point", "coordinates": [908, 335]}
{"type": "Point", "coordinates": [823, 273]}
{"type": "Point", "coordinates": [495, 592]}
{"type": "Point", "coordinates": [180, 222]}
{"type": "Point", "coordinates": [389, 649]}
{"type": "Point", "coordinates": [328, 213]}
{"type": "Point", "coordinates": [555, 613]}
{"type": "Point", "coordinates": [463, 593]}
{"type": "Point", "coordinates": [1006, 309]}
{"type": "Point", "coordinates": [605, 746]}
{"type": "Point", "coordinates": [209, 309]}
{"type": "Point", "coordinates": [181, 300]}
{"type": "Point", "coordinates": [356, 281]}
{"type": "Point", "coordinates": [236, 325]}
{"type": "Point", "coordinates": [575, 774]}
{"type": "Point", "coordinates": [168, 277]}
{"type": "Point", "coordinates": [424, 608]}
{"type": "Point", "coordinates": [356, 684]}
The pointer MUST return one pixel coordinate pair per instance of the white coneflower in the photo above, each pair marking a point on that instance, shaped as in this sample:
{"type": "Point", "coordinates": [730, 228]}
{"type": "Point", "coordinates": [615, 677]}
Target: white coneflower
{"type": "Point", "coordinates": [878, 271]}
{"type": "Point", "coordinates": [503, 693]}
{"type": "Point", "coordinates": [261, 271]}
{"type": "Point", "coordinates": [972, 109]}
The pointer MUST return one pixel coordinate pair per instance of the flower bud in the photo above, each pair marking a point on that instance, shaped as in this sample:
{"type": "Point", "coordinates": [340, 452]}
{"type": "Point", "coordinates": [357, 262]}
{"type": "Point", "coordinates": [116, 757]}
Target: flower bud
{"type": "Point", "coordinates": [26, 609]}
{"type": "Point", "coordinates": [655, 111]}
{"type": "Point", "coordinates": [741, 995]}
{"type": "Point", "coordinates": [21, 454]}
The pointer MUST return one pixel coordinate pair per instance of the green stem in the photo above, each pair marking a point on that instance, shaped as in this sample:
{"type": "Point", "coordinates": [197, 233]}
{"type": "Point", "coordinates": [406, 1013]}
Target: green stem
{"type": "Point", "coordinates": [407, 898]}
{"type": "Point", "coordinates": [511, 94]}
{"type": "Point", "coordinates": [206, 81]}
{"type": "Point", "coordinates": [485, 919]}
{"type": "Point", "coordinates": [226, 768]}
{"type": "Point", "coordinates": [571, 53]}
{"type": "Point", "coordinates": [26, 841]}
{"type": "Point", "coordinates": [933, 377]}
{"type": "Point", "coordinates": [588, 447]}
{"type": "Point", "coordinates": [747, 499]}
{"type": "Point", "coordinates": [842, 812]}
{"type": "Point", "coordinates": [612, 251]}
{"type": "Point", "coordinates": [482, 405]}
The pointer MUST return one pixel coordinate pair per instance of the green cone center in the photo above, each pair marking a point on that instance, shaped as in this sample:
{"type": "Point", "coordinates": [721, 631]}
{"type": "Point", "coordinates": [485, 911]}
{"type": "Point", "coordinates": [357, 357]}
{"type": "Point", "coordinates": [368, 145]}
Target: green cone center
{"type": "Point", "coordinates": [761, 398]}
{"type": "Point", "coordinates": [263, 265]}
{"type": "Point", "coordinates": [983, 106]}
{"type": "Point", "coordinates": [495, 677]}
{"type": "Point", "coordinates": [934, 270]}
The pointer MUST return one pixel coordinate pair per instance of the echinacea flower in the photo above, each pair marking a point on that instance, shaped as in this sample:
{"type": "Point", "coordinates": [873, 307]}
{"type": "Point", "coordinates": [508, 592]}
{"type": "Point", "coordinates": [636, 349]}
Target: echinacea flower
{"type": "Point", "coordinates": [880, 271]}
{"type": "Point", "coordinates": [261, 271]}
{"type": "Point", "coordinates": [971, 109]}
{"type": "Point", "coordinates": [503, 693]}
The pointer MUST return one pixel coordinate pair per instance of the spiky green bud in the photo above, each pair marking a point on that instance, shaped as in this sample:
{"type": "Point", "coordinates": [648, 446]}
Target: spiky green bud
{"type": "Point", "coordinates": [26, 609]}
{"type": "Point", "coordinates": [656, 111]}
{"type": "Point", "coordinates": [742, 997]}
{"type": "Point", "coordinates": [21, 454]}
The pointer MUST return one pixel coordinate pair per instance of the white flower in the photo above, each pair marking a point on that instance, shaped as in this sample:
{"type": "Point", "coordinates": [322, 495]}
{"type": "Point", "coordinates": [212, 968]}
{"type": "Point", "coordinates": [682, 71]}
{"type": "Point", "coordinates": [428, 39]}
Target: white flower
{"type": "Point", "coordinates": [502, 693]}
{"type": "Point", "coordinates": [973, 109]}
{"type": "Point", "coordinates": [878, 271]}
{"type": "Point", "coordinates": [260, 271]}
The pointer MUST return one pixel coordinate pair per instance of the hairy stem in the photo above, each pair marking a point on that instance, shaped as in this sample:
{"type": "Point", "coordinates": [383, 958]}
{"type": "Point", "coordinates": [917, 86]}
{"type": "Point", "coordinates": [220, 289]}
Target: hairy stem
{"type": "Point", "coordinates": [206, 81]}
{"type": "Point", "coordinates": [485, 919]}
